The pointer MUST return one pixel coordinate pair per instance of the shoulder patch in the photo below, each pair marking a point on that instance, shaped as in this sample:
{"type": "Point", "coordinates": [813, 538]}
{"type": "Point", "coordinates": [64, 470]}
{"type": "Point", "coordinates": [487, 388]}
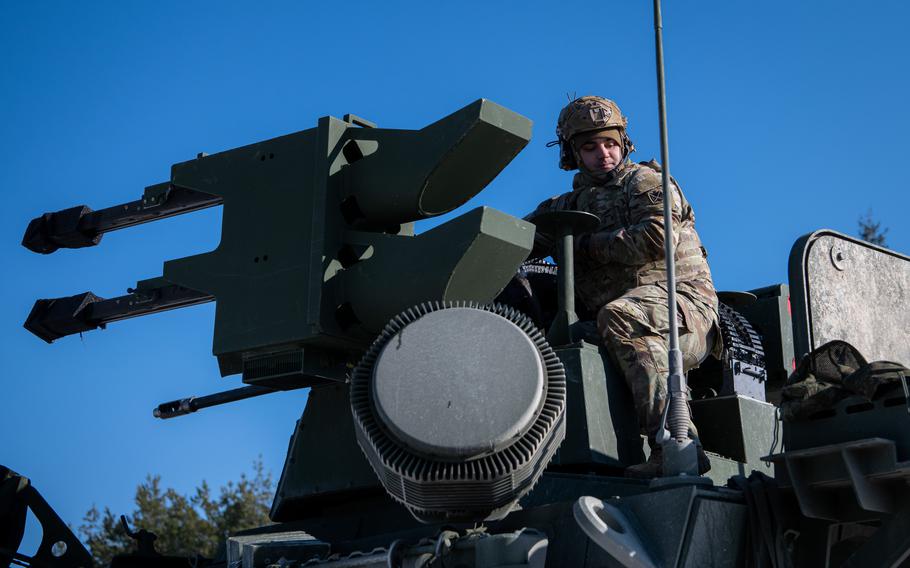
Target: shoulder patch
{"type": "Point", "coordinates": [656, 196]}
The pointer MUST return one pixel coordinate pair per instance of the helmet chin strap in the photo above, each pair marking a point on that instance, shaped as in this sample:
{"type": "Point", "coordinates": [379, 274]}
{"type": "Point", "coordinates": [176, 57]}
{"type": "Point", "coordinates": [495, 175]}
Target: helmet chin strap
{"type": "Point", "coordinates": [602, 177]}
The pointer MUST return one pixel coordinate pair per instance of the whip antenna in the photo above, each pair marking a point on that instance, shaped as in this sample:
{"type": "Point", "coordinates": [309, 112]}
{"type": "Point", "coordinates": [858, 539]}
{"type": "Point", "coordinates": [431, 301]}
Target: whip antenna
{"type": "Point", "coordinates": [678, 450]}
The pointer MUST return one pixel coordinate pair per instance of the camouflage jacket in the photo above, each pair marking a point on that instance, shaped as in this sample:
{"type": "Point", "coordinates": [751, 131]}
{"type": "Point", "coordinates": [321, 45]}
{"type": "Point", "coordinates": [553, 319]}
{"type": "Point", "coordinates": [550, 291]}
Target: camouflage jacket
{"type": "Point", "coordinates": [627, 250]}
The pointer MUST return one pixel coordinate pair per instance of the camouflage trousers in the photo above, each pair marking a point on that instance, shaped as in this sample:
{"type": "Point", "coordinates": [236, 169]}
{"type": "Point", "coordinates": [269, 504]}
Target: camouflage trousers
{"type": "Point", "coordinates": [635, 330]}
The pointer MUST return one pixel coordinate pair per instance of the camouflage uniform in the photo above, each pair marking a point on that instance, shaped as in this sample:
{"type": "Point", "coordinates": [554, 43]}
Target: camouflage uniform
{"type": "Point", "coordinates": [620, 275]}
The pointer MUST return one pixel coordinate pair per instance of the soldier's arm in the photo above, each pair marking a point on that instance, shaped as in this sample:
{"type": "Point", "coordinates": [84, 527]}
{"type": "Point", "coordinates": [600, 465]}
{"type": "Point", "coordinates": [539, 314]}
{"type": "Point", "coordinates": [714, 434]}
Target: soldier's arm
{"type": "Point", "coordinates": [643, 240]}
{"type": "Point", "coordinates": [543, 246]}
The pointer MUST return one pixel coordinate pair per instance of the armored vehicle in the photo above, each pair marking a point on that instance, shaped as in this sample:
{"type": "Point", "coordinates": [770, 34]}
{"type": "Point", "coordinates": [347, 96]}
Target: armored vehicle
{"type": "Point", "coordinates": [460, 415]}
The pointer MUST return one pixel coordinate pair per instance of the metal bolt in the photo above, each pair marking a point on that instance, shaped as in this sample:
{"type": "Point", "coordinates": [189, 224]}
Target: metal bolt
{"type": "Point", "coordinates": [58, 549]}
{"type": "Point", "coordinates": [838, 258]}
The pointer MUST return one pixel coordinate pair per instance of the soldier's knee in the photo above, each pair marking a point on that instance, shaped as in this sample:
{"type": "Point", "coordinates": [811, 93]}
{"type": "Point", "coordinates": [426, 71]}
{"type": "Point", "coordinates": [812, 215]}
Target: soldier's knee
{"type": "Point", "coordinates": [613, 320]}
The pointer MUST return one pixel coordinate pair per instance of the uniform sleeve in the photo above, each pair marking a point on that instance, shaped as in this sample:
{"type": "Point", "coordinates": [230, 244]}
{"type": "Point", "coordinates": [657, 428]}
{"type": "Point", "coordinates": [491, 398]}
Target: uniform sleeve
{"type": "Point", "coordinates": [642, 240]}
{"type": "Point", "coordinates": [543, 246]}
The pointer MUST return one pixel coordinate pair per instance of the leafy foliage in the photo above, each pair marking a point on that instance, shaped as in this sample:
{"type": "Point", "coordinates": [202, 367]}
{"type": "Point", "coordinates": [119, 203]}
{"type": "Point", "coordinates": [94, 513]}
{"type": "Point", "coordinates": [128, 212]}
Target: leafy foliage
{"type": "Point", "coordinates": [871, 230]}
{"type": "Point", "coordinates": [185, 525]}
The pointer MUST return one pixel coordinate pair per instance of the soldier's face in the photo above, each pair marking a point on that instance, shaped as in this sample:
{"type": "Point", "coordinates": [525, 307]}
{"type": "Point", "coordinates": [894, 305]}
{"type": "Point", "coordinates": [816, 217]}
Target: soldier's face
{"type": "Point", "coordinates": [600, 154]}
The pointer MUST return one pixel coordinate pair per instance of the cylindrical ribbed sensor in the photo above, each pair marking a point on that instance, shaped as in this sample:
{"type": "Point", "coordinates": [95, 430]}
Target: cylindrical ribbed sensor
{"type": "Point", "coordinates": [458, 408]}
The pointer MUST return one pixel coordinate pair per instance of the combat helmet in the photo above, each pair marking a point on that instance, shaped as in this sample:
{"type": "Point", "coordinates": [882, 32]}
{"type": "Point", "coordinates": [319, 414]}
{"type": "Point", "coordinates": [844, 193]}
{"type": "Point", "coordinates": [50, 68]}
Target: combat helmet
{"type": "Point", "coordinates": [588, 114]}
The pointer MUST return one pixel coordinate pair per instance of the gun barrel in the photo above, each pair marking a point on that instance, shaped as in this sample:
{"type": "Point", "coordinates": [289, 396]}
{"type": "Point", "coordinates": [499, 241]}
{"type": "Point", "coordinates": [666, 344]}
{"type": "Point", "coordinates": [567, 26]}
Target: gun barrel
{"type": "Point", "coordinates": [189, 405]}
{"type": "Point", "coordinates": [80, 226]}
{"type": "Point", "coordinates": [52, 319]}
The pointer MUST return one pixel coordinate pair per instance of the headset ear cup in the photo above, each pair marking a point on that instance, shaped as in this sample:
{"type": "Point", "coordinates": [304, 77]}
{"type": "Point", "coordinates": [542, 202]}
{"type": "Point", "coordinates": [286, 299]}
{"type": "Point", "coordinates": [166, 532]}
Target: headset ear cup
{"type": "Point", "coordinates": [567, 156]}
{"type": "Point", "coordinates": [630, 147]}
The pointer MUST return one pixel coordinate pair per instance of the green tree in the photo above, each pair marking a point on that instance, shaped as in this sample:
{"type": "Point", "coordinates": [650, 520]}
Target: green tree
{"type": "Point", "coordinates": [185, 525]}
{"type": "Point", "coordinates": [871, 230]}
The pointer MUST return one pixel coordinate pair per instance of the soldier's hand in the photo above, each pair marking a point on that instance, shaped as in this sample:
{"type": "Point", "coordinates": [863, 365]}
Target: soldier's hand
{"type": "Point", "coordinates": [583, 245]}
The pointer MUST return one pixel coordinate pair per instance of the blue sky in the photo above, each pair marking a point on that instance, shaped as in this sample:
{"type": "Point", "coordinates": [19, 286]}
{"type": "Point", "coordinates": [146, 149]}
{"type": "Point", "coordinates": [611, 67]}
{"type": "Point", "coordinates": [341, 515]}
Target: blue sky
{"type": "Point", "coordinates": [785, 117]}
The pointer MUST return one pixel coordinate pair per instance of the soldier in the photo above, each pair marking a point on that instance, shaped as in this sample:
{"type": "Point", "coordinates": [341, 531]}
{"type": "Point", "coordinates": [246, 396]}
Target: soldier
{"type": "Point", "coordinates": [620, 271]}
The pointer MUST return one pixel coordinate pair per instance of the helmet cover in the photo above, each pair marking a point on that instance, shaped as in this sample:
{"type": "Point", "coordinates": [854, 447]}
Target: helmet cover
{"type": "Point", "coordinates": [589, 114]}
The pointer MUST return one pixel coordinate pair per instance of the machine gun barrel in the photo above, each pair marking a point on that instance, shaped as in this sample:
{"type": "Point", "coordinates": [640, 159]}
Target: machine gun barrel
{"type": "Point", "coordinates": [52, 319]}
{"type": "Point", "coordinates": [189, 405]}
{"type": "Point", "coordinates": [80, 226]}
